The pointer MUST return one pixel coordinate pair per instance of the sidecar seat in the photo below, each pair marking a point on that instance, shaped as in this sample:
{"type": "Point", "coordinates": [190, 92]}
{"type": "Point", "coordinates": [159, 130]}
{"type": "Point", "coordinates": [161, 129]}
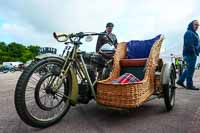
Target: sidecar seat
{"type": "Point", "coordinates": [136, 58]}
{"type": "Point", "coordinates": [133, 66]}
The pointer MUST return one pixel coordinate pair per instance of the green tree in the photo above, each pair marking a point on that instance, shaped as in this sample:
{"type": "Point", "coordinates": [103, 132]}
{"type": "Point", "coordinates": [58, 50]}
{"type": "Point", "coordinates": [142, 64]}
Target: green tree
{"type": "Point", "coordinates": [27, 55]}
{"type": "Point", "coordinates": [3, 52]}
{"type": "Point", "coordinates": [3, 46]}
{"type": "Point", "coordinates": [34, 50]}
{"type": "Point", "coordinates": [17, 52]}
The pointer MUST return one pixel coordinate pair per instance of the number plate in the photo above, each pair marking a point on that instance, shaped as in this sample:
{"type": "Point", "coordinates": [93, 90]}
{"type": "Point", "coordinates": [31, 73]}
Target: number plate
{"type": "Point", "coordinates": [69, 47]}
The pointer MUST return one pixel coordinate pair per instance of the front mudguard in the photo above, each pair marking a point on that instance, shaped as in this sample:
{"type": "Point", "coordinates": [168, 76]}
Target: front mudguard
{"type": "Point", "coordinates": [74, 93]}
{"type": "Point", "coordinates": [48, 55]}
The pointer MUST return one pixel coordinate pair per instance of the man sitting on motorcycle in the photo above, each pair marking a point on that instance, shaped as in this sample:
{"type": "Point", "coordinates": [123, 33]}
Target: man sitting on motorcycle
{"type": "Point", "coordinates": [102, 39]}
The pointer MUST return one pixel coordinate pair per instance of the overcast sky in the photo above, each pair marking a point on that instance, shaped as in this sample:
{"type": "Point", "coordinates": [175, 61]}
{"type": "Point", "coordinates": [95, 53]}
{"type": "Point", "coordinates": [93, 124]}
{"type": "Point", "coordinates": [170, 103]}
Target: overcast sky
{"type": "Point", "coordinates": [33, 21]}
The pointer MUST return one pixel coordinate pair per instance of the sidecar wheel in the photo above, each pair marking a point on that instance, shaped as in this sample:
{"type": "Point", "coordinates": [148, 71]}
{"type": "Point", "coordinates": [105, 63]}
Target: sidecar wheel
{"type": "Point", "coordinates": [169, 87]}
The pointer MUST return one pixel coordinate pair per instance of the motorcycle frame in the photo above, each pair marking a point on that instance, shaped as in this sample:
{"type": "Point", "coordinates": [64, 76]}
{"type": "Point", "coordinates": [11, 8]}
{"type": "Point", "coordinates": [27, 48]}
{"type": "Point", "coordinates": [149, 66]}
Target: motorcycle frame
{"type": "Point", "coordinates": [74, 61]}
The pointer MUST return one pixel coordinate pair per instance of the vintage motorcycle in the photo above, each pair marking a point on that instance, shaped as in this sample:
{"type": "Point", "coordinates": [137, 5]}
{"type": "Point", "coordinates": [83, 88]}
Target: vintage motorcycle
{"type": "Point", "coordinates": [48, 87]}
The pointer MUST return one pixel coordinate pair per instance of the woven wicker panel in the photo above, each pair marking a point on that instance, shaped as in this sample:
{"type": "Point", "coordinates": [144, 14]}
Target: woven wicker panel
{"type": "Point", "coordinates": [132, 94]}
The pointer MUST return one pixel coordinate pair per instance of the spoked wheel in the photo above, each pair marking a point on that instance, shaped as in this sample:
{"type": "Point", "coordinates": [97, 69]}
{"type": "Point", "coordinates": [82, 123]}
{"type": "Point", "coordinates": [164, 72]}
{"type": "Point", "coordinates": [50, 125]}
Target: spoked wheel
{"type": "Point", "coordinates": [36, 102]}
{"type": "Point", "coordinates": [45, 97]}
{"type": "Point", "coordinates": [169, 90]}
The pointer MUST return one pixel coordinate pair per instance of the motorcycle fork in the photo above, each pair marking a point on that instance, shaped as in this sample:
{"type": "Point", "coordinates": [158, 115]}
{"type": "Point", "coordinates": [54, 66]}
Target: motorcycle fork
{"type": "Point", "coordinates": [67, 65]}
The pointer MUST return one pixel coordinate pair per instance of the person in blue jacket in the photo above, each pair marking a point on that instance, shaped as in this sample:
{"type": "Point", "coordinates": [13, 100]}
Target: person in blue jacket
{"type": "Point", "coordinates": [190, 53]}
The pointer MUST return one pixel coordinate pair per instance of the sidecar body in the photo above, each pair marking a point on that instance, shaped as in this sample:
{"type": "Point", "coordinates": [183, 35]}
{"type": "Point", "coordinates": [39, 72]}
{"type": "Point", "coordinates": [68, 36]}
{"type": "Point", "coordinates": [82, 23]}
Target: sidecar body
{"type": "Point", "coordinates": [140, 58]}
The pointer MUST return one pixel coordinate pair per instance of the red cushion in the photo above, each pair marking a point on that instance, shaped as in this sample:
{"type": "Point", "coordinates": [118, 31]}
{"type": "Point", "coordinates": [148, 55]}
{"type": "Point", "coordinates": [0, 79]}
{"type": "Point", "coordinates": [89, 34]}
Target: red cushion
{"type": "Point", "coordinates": [133, 62]}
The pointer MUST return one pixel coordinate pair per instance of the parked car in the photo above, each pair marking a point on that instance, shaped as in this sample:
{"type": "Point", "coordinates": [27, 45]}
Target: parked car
{"type": "Point", "coordinates": [8, 68]}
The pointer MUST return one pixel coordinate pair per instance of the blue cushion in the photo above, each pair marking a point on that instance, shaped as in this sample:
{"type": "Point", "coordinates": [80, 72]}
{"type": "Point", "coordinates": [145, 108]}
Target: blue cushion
{"type": "Point", "coordinates": [140, 49]}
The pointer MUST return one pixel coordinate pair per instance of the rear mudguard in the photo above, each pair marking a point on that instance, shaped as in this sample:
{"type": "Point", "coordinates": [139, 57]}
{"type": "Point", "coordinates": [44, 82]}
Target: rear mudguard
{"type": "Point", "coordinates": [74, 93]}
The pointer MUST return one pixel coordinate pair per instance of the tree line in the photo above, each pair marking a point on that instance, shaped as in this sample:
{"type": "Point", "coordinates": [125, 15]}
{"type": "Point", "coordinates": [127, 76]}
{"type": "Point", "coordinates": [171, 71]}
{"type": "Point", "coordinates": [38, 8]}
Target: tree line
{"type": "Point", "coordinates": [17, 52]}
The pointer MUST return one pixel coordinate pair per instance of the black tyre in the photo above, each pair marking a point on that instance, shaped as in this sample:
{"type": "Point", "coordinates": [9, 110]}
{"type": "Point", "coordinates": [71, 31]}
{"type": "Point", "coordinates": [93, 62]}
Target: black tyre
{"type": "Point", "coordinates": [35, 101]}
{"type": "Point", "coordinates": [169, 90]}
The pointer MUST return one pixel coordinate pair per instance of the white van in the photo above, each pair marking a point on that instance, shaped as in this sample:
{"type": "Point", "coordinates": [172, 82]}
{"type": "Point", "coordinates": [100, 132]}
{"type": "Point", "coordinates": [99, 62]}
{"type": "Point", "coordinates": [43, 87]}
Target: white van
{"type": "Point", "coordinates": [15, 64]}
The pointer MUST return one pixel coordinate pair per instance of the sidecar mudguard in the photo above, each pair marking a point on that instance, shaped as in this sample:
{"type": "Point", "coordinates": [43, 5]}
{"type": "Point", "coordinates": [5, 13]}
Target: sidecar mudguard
{"type": "Point", "coordinates": [165, 73]}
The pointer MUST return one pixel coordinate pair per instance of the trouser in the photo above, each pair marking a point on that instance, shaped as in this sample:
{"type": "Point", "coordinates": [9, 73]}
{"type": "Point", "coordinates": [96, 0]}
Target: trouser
{"type": "Point", "coordinates": [189, 71]}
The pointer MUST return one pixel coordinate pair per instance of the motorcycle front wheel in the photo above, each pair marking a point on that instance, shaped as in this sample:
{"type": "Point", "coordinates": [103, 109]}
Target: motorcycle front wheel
{"type": "Point", "coordinates": [37, 104]}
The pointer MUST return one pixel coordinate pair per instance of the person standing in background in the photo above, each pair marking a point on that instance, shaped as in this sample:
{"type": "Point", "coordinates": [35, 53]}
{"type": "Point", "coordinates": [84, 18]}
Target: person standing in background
{"type": "Point", "coordinates": [102, 39]}
{"type": "Point", "coordinates": [177, 63]}
{"type": "Point", "coordinates": [190, 53]}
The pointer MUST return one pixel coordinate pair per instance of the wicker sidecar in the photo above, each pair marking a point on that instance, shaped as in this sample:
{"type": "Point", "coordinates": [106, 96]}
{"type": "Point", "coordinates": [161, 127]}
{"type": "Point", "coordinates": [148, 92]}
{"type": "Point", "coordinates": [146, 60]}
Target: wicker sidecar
{"type": "Point", "coordinates": [157, 79]}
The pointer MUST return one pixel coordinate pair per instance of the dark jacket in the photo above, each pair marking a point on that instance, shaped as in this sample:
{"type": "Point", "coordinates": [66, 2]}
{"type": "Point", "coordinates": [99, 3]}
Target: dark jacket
{"type": "Point", "coordinates": [102, 39]}
{"type": "Point", "coordinates": [191, 42]}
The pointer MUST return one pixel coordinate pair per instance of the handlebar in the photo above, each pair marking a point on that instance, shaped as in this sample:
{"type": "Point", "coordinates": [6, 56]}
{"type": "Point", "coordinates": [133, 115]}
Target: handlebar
{"type": "Point", "coordinates": [58, 35]}
{"type": "Point", "coordinates": [79, 35]}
